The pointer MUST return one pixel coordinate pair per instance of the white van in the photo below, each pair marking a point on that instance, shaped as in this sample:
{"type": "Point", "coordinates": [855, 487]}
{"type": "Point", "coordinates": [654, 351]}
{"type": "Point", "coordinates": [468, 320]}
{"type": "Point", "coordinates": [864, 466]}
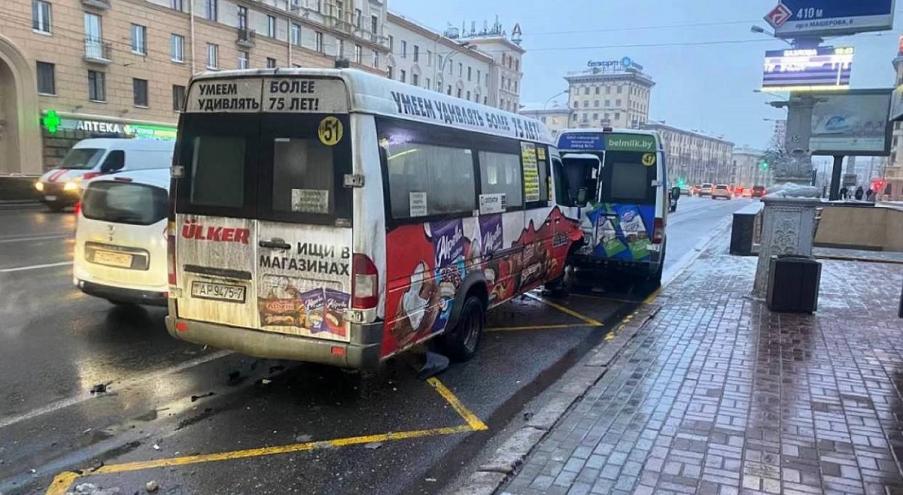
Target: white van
{"type": "Point", "coordinates": [89, 158]}
{"type": "Point", "coordinates": [120, 240]}
{"type": "Point", "coordinates": [339, 217]}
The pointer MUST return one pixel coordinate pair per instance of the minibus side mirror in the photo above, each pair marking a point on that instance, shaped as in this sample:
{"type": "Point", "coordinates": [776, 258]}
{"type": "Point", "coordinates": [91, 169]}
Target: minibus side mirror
{"type": "Point", "coordinates": [581, 197]}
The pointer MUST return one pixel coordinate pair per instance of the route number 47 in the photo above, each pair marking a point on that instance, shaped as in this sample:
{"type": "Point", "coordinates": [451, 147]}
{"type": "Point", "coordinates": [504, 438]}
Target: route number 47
{"type": "Point", "coordinates": [810, 13]}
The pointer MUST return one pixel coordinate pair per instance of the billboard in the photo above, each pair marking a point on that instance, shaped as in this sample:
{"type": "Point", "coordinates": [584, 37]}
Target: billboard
{"type": "Point", "coordinates": [801, 69]}
{"type": "Point", "coordinates": [853, 122]}
{"type": "Point", "coordinates": [815, 18]}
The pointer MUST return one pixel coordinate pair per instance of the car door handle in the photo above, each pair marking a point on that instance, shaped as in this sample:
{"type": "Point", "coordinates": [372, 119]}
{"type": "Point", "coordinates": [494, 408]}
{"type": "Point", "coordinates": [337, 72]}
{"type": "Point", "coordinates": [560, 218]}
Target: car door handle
{"type": "Point", "coordinates": [275, 243]}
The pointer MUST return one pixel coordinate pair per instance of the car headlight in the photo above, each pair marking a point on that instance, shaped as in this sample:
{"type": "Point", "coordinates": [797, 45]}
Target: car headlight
{"type": "Point", "coordinates": [70, 186]}
{"type": "Point", "coordinates": [39, 185]}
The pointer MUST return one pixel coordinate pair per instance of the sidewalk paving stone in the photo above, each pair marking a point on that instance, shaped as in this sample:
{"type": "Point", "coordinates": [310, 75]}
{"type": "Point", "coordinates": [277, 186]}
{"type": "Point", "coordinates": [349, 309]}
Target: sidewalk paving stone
{"type": "Point", "coordinates": [716, 394]}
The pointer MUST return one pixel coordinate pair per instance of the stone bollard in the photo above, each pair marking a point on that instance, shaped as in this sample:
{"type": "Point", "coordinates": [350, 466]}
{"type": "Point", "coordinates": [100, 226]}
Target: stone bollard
{"type": "Point", "coordinates": [788, 228]}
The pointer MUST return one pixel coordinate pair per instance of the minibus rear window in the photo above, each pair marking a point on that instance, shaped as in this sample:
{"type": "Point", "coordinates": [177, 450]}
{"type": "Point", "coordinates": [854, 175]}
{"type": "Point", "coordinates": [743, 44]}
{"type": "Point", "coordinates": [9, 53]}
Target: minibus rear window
{"type": "Point", "coordinates": [629, 180]}
{"type": "Point", "coordinates": [218, 169]}
{"type": "Point", "coordinates": [117, 202]}
{"type": "Point", "coordinates": [303, 176]}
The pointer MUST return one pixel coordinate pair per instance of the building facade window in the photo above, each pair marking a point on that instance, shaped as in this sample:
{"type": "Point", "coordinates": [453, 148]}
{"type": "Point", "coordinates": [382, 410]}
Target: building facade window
{"type": "Point", "coordinates": [41, 16]}
{"type": "Point", "coordinates": [97, 86]}
{"type": "Point", "coordinates": [211, 8]}
{"type": "Point", "coordinates": [340, 48]}
{"type": "Point", "coordinates": [93, 36]}
{"type": "Point", "coordinates": [459, 92]}
{"type": "Point", "coordinates": [375, 59]}
{"type": "Point", "coordinates": [402, 76]}
{"type": "Point", "coordinates": [177, 5]}
{"type": "Point", "coordinates": [404, 49]}
{"type": "Point", "coordinates": [469, 74]}
{"type": "Point", "coordinates": [358, 18]}
{"type": "Point", "coordinates": [429, 58]}
{"type": "Point", "coordinates": [296, 34]}
{"type": "Point", "coordinates": [177, 47]}
{"type": "Point", "coordinates": [139, 92]}
{"type": "Point", "coordinates": [358, 54]}
{"type": "Point", "coordinates": [391, 42]}
{"type": "Point", "coordinates": [242, 17]}
{"type": "Point", "coordinates": [374, 25]}
{"type": "Point", "coordinates": [319, 42]}
{"type": "Point", "coordinates": [416, 53]}
{"type": "Point", "coordinates": [47, 78]}
{"type": "Point", "coordinates": [390, 72]}
{"type": "Point", "coordinates": [429, 86]}
{"type": "Point", "coordinates": [139, 39]}
{"type": "Point", "coordinates": [243, 59]}
{"type": "Point", "coordinates": [415, 79]}
{"type": "Point", "coordinates": [271, 63]}
{"type": "Point", "coordinates": [178, 97]}
{"type": "Point", "coordinates": [212, 56]}
{"type": "Point", "coordinates": [271, 26]}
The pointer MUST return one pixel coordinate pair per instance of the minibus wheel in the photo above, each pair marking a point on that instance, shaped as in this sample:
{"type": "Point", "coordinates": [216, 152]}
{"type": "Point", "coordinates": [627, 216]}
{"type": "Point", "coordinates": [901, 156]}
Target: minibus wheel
{"type": "Point", "coordinates": [460, 343]}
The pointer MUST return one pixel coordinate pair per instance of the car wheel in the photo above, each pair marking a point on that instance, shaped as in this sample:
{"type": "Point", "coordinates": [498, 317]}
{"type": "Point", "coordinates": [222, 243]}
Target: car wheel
{"type": "Point", "coordinates": [460, 343]}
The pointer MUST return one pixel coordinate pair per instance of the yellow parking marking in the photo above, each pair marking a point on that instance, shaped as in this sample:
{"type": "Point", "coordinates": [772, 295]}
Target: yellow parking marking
{"type": "Point", "coordinates": [652, 297]}
{"type": "Point", "coordinates": [567, 311]}
{"type": "Point", "coordinates": [537, 327]}
{"type": "Point", "coordinates": [472, 420]}
{"type": "Point", "coordinates": [62, 481]}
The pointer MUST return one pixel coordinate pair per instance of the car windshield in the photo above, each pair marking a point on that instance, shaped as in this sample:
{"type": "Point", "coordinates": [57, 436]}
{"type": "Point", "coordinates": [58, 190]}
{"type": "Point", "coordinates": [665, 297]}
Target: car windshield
{"type": "Point", "coordinates": [82, 158]}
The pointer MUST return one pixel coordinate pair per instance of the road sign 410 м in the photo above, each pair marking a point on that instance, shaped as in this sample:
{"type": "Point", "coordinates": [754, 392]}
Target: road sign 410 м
{"type": "Point", "coordinates": [814, 18]}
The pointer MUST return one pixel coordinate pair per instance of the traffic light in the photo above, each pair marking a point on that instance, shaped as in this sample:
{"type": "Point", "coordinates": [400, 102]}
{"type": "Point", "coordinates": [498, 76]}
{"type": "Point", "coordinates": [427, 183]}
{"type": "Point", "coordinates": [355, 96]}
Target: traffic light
{"type": "Point", "coordinates": [763, 165]}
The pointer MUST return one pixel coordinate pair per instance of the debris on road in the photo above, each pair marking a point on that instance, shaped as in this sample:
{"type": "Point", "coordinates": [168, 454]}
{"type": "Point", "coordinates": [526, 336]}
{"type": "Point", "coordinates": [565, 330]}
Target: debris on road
{"type": "Point", "coordinates": [92, 489]}
{"type": "Point", "coordinates": [151, 486]}
{"type": "Point", "coordinates": [373, 445]}
{"type": "Point", "coordinates": [303, 438]}
{"type": "Point", "coordinates": [156, 446]}
{"type": "Point", "coordinates": [201, 396]}
{"type": "Point", "coordinates": [430, 480]}
{"type": "Point", "coordinates": [99, 388]}
{"type": "Point", "coordinates": [265, 381]}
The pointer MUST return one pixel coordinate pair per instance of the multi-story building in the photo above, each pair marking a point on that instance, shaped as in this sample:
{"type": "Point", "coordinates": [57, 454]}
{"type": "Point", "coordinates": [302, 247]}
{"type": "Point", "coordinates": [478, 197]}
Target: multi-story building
{"type": "Point", "coordinates": [71, 69]}
{"type": "Point", "coordinates": [612, 93]}
{"type": "Point", "coordinates": [507, 69]}
{"type": "Point", "coordinates": [431, 60]}
{"type": "Point", "coordinates": [555, 118]}
{"type": "Point", "coordinates": [748, 169]}
{"type": "Point", "coordinates": [893, 174]}
{"type": "Point", "coordinates": [694, 157]}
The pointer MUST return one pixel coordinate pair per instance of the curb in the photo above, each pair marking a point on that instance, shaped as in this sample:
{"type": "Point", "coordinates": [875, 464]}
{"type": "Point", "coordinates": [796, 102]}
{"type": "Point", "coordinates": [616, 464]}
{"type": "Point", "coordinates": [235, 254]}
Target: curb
{"type": "Point", "coordinates": [574, 384]}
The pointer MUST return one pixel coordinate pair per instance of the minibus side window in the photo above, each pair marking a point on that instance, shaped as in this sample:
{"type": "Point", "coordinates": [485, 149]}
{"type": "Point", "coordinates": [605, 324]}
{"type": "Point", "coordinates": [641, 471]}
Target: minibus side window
{"type": "Point", "coordinates": [428, 180]}
{"type": "Point", "coordinates": [501, 173]}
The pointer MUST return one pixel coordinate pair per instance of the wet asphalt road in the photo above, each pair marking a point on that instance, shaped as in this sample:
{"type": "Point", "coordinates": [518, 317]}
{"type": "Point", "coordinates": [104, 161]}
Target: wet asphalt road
{"type": "Point", "coordinates": [168, 399]}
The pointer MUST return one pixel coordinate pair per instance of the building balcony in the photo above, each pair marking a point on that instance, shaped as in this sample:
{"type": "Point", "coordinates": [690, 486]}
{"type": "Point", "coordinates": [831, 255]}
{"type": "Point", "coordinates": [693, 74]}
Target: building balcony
{"type": "Point", "coordinates": [97, 4]}
{"type": "Point", "coordinates": [98, 51]}
{"type": "Point", "coordinates": [247, 38]}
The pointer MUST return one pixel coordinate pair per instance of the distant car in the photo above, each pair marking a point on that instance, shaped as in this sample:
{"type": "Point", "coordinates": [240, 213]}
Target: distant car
{"type": "Point", "coordinates": [684, 190]}
{"type": "Point", "coordinates": [747, 192]}
{"type": "Point", "coordinates": [706, 189]}
{"type": "Point", "coordinates": [721, 191]}
{"type": "Point", "coordinates": [757, 192]}
{"type": "Point", "coordinates": [738, 191]}
{"type": "Point", "coordinates": [120, 238]}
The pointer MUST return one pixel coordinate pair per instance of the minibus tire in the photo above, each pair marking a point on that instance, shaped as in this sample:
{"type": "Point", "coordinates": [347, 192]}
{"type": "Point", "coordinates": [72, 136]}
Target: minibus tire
{"type": "Point", "coordinates": [461, 342]}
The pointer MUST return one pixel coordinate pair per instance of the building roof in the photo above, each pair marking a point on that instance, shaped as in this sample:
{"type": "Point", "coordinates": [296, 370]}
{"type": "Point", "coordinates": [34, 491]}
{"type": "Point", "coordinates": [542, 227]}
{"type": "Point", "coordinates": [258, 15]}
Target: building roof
{"type": "Point", "coordinates": [540, 109]}
{"type": "Point", "coordinates": [438, 37]}
{"type": "Point", "coordinates": [589, 76]}
{"type": "Point", "coordinates": [748, 151]}
{"type": "Point", "coordinates": [664, 126]}
{"type": "Point", "coordinates": [498, 39]}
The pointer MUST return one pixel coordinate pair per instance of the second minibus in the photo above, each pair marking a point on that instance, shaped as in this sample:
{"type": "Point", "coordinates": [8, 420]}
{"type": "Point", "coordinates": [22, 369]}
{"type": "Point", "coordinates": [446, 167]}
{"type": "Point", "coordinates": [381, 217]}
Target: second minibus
{"type": "Point", "coordinates": [616, 184]}
{"type": "Point", "coordinates": [335, 216]}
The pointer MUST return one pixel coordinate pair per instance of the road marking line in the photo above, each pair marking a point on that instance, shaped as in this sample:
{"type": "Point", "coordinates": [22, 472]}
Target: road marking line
{"type": "Point", "coordinates": [60, 404]}
{"type": "Point", "coordinates": [33, 238]}
{"type": "Point", "coordinates": [33, 267]}
{"type": "Point", "coordinates": [473, 421]}
{"type": "Point", "coordinates": [63, 481]}
{"type": "Point", "coordinates": [565, 310]}
{"type": "Point", "coordinates": [537, 327]}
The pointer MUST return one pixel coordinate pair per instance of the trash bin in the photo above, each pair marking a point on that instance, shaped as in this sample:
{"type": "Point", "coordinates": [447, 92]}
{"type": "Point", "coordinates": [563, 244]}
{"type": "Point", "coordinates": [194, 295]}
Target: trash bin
{"type": "Point", "coordinates": [793, 284]}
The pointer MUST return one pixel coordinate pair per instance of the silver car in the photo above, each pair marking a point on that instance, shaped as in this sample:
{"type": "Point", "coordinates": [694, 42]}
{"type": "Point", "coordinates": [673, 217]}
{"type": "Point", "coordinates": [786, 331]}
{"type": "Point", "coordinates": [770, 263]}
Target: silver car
{"type": "Point", "coordinates": [721, 191]}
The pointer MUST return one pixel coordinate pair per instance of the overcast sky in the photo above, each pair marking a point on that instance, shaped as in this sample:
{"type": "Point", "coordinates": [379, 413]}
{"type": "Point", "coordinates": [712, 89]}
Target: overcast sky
{"type": "Point", "coordinates": [704, 87]}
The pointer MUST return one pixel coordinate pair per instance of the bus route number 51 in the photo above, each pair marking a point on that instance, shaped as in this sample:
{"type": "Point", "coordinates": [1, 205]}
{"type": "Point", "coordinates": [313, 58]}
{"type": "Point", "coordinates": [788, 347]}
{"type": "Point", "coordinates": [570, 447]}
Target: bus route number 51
{"type": "Point", "coordinates": [330, 131]}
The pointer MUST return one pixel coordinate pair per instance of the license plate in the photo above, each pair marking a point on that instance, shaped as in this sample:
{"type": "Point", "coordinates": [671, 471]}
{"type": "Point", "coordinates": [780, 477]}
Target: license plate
{"type": "Point", "coordinates": [110, 258]}
{"type": "Point", "coordinates": [219, 292]}
{"type": "Point", "coordinates": [50, 198]}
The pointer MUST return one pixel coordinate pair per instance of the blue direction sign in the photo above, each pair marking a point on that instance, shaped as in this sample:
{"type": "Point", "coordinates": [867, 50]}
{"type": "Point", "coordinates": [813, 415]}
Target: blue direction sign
{"type": "Point", "coordinates": [818, 18]}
